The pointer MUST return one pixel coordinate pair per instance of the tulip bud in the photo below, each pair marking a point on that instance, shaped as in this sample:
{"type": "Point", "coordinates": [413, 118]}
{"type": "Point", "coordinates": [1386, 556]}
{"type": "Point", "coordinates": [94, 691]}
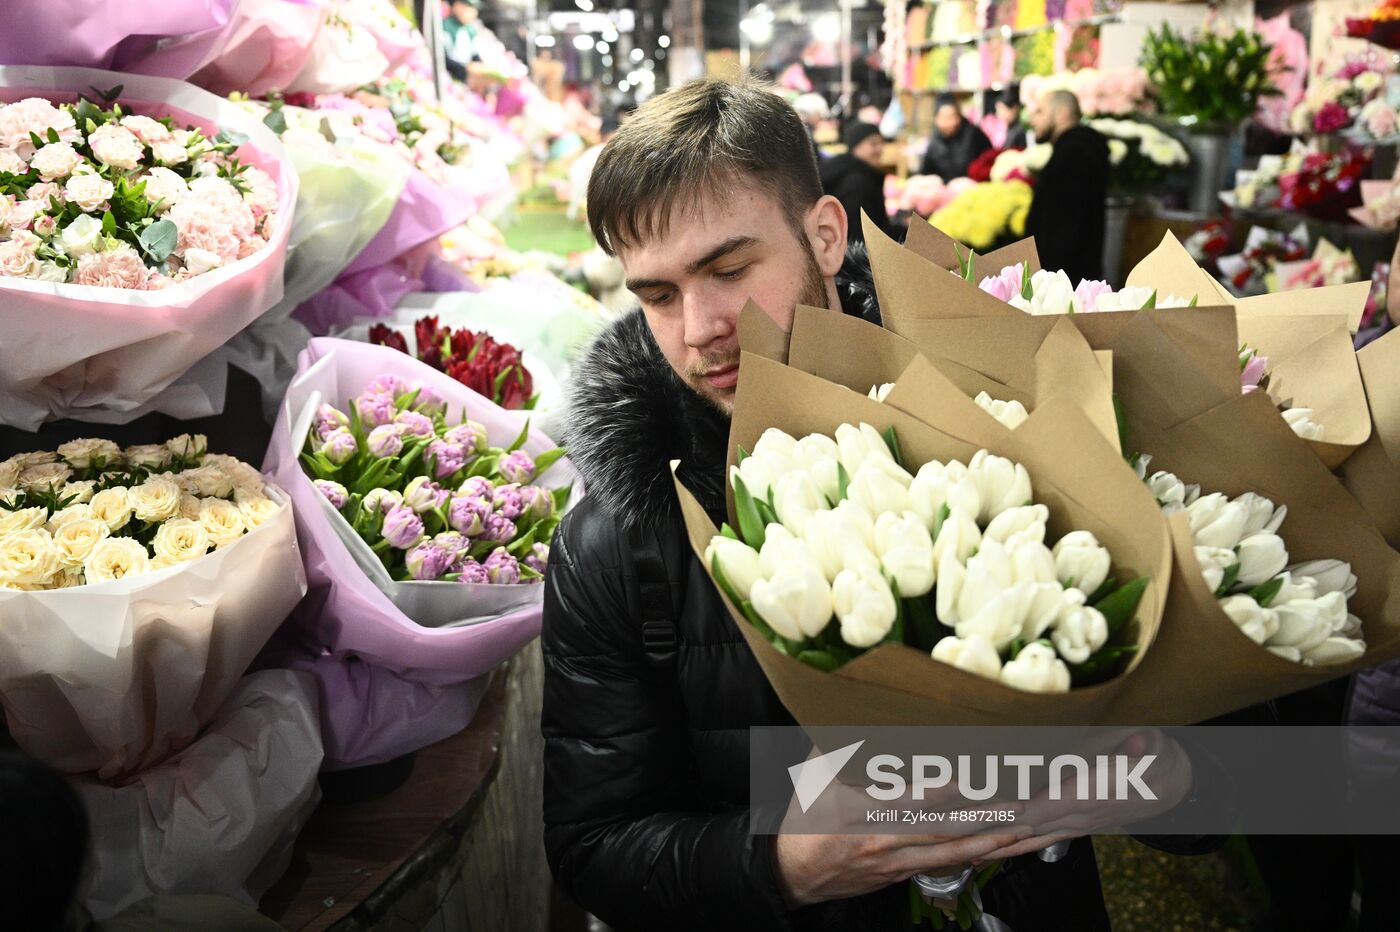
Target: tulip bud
{"type": "Point", "coordinates": [1296, 587]}
{"type": "Point", "coordinates": [1010, 414]}
{"type": "Point", "coordinates": [857, 444]}
{"type": "Point", "coordinates": [1036, 669]}
{"type": "Point", "coordinates": [842, 538]}
{"type": "Point", "coordinates": [959, 536]}
{"type": "Point", "coordinates": [777, 445]}
{"type": "Point", "coordinates": [737, 560]}
{"type": "Point", "coordinates": [1303, 624]}
{"type": "Point", "coordinates": [1080, 561]}
{"type": "Point", "coordinates": [381, 500]}
{"type": "Point", "coordinates": [881, 392]}
{"type": "Point", "coordinates": [428, 561]}
{"type": "Point", "coordinates": [422, 494]}
{"type": "Point", "coordinates": [1078, 631]}
{"type": "Point", "coordinates": [1043, 604]}
{"type": "Point", "coordinates": [384, 441]}
{"type": "Point", "coordinates": [818, 455]}
{"type": "Point", "coordinates": [1259, 624]}
{"type": "Point", "coordinates": [339, 446]}
{"type": "Point", "coordinates": [876, 492]}
{"type": "Point", "coordinates": [402, 528]}
{"type": "Point", "coordinates": [1287, 653]}
{"type": "Point", "coordinates": [796, 498]}
{"type": "Point", "coordinates": [974, 654]}
{"type": "Point", "coordinates": [1031, 560]}
{"type": "Point", "coordinates": [502, 569]}
{"type": "Point", "coordinates": [937, 485]}
{"type": "Point", "coordinates": [1262, 557]}
{"type": "Point", "coordinates": [1215, 562]}
{"type": "Point", "coordinates": [334, 492]}
{"type": "Point", "coordinates": [1328, 576]}
{"type": "Point", "coordinates": [1169, 491]}
{"type": "Point", "coordinates": [781, 549]}
{"type": "Point", "coordinates": [759, 475]}
{"type": "Point", "coordinates": [906, 552]}
{"type": "Point", "coordinates": [1263, 516]}
{"type": "Point", "coordinates": [796, 603]}
{"type": "Point", "coordinates": [1335, 650]}
{"type": "Point", "coordinates": [468, 514]}
{"type": "Point", "coordinates": [1302, 423]}
{"type": "Point", "coordinates": [1001, 484]}
{"type": "Point", "coordinates": [864, 605]}
{"type": "Point", "coordinates": [1216, 521]}
{"type": "Point", "coordinates": [1015, 520]}
{"type": "Point", "coordinates": [517, 467]}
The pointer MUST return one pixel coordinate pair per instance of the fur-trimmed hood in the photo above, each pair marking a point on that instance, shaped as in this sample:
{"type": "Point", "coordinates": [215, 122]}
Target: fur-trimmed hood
{"type": "Point", "coordinates": [630, 415]}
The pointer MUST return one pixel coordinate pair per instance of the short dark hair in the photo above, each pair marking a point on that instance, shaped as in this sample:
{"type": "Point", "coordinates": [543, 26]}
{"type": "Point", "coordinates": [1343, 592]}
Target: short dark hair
{"type": "Point", "coordinates": [946, 100]}
{"type": "Point", "coordinates": [694, 140]}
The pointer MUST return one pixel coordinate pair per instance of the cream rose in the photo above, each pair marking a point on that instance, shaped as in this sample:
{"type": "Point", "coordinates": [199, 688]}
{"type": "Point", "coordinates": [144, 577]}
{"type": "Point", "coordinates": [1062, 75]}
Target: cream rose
{"type": "Point", "coordinates": [88, 191]}
{"type": "Point", "coordinates": [68, 578]}
{"type": "Point", "coordinates": [222, 520]}
{"type": "Point", "coordinates": [180, 540]}
{"type": "Point", "coordinates": [170, 152]}
{"type": "Point", "coordinates": [25, 460]}
{"type": "Point", "coordinates": [90, 452]}
{"type": "Point", "coordinates": [156, 499]}
{"type": "Point", "coordinates": [206, 481]}
{"type": "Point", "coordinates": [67, 516]}
{"type": "Point", "coordinates": [56, 160]}
{"type": "Point", "coordinates": [9, 473]}
{"type": "Point", "coordinates": [76, 540]}
{"type": "Point", "coordinates": [44, 476]}
{"type": "Point", "coordinates": [112, 507]}
{"type": "Point", "coordinates": [79, 491]}
{"type": "Point", "coordinates": [25, 519]}
{"type": "Point", "coordinates": [256, 511]}
{"type": "Point", "coordinates": [189, 506]}
{"type": "Point", "coordinates": [116, 558]}
{"type": "Point", "coordinates": [146, 129]}
{"type": "Point", "coordinates": [28, 558]}
{"type": "Point", "coordinates": [188, 446]}
{"type": "Point", "coordinates": [148, 455]}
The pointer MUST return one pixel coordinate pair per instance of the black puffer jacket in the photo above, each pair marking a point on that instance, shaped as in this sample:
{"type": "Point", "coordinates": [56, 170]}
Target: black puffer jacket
{"type": "Point", "coordinates": [647, 768]}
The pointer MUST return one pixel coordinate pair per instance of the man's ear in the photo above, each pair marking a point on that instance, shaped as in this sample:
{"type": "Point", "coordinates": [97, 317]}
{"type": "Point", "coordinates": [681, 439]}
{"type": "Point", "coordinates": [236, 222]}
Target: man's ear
{"type": "Point", "coordinates": [826, 231]}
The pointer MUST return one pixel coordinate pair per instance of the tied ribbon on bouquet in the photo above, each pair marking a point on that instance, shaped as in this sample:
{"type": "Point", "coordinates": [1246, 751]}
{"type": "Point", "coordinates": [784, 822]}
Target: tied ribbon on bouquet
{"type": "Point", "coordinates": [492, 369]}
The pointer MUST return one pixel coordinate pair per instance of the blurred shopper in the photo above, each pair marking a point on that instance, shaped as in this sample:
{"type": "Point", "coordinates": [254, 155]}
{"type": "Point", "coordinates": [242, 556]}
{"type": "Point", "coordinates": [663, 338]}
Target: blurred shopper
{"type": "Point", "coordinates": [1008, 110]}
{"type": "Point", "coordinates": [1067, 215]}
{"type": "Point", "coordinates": [857, 179]}
{"type": "Point", "coordinates": [459, 29]}
{"type": "Point", "coordinates": [954, 143]}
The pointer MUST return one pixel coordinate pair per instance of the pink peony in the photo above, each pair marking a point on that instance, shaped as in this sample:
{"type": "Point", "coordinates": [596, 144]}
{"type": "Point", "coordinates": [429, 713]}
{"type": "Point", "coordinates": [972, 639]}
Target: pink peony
{"type": "Point", "coordinates": [1006, 285]}
{"type": "Point", "coordinates": [1086, 296]}
{"type": "Point", "coordinates": [34, 115]}
{"type": "Point", "coordinates": [89, 191]}
{"type": "Point", "coordinates": [56, 160]}
{"type": "Point", "coordinates": [146, 129]}
{"type": "Point", "coordinates": [203, 226]}
{"type": "Point", "coordinates": [16, 258]}
{"type": "Point", "coordinates": [120, 268]}
{"type": "Point", "coordinates": [116, 146]}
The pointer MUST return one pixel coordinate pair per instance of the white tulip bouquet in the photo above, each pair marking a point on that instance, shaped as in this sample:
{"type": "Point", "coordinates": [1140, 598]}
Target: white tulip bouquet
{"type": "Point", "coordinates": [840, 549]}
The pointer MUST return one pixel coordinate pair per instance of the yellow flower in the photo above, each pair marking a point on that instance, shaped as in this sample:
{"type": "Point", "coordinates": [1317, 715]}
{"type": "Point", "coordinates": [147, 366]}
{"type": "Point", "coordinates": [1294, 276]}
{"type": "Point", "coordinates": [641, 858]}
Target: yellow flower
{"type": "Point", "coordinates": [986, 213]}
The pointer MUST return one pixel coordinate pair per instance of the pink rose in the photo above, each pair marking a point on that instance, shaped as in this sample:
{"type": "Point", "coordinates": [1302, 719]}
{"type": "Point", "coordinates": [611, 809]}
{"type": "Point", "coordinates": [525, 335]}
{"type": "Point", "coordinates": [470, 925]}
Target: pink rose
{"type": "Point", "coordinates": [22, 215]}
{"type": "Point", "coordinates": [1382, 122]}
{"type": "Point", "coordinates": [1332, 117]}
{"type": "Point", "coordinates": [11, 162]}
{"type": "Point", "coordinates": [90, 192]}
{"type": "Point", "coordinates": [146, 129]}
{"type": "Point", "coordinates": [1086, 296]}
{"type": "Point", "coordinates": [164, 188]}
{"type": "Point", "coordinates": [56, 160]}
{"type": "Point", "coordinates": [45, 226]}
{"type": "Point", "coordinates": [116, 146]}
{"type": "Point", "coordinates": [120, 268]}
{"type": "Point", "coordinates": [16, 259]}
{"type": "Point", "coordinates": [42, 192]}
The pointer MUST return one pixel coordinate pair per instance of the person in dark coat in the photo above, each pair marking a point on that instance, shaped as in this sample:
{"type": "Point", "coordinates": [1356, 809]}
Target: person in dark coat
{"type": "Point", "coordinates": [857, 180]}
{"type": "Point", "coordinates": [1071, 194]}
{"type": "Point", "coordinates": [708, 198]}
{"type": "Point", "coordinates": [954, 143]}
{"type": "Point", "coordinates": [1009, 112]}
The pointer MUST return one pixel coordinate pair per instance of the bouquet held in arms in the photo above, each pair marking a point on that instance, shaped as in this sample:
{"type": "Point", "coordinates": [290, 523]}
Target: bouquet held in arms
{"type": "Point", "coordinates": [840, 549]}
{"type": "Point", "coordinates": [476, 359]}
{"type": "Point", "coordinates": [432, 499]}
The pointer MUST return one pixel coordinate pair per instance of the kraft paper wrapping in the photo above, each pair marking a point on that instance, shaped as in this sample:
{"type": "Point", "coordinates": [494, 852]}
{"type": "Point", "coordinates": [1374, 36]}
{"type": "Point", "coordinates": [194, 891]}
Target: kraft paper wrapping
{"type": "Point", "coordinates": [1372, 475]}
{"type": "Point", "coordinates": [122, 348]}
{"type": "Point", "coordinates": [117, 676]}
{"type": "Point", "coordinates": [1074, 471]}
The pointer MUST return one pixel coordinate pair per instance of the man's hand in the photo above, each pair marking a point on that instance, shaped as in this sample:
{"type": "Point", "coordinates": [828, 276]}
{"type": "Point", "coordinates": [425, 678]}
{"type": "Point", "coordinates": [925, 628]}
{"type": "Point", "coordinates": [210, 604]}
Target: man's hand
{"type": "Point", "coordinates": [816, 868]}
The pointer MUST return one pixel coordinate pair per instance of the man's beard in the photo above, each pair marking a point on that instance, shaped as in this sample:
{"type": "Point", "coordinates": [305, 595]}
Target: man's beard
{"type": "Point", "coordinates": [813, 295]}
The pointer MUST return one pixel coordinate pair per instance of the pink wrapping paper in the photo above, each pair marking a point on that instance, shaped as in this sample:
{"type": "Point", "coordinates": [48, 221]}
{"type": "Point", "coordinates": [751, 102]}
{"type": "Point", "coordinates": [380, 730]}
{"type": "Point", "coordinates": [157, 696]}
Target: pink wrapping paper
{"type": "Point", "coordinates": [108, 33]}
{"type": "Point", "coordinates": [121, 348]}
{"type": "Point", "coordinates": [387, 685]}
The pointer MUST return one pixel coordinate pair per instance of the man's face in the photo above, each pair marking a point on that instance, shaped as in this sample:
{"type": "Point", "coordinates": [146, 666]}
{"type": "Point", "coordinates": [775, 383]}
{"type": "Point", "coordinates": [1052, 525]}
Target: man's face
{"type": "Point", "coordinates": [948, 119]}
{"type": "Point", "coordinates": [1008, 115]}
{"type": "Point", "coordinates": [870, 150]}
{"type": "Point", "coordinates": [465, 13]}
{"type": "Point", "coordinates": [720, 251]}
{"type": "Point", "coordinates": [1042, 121]}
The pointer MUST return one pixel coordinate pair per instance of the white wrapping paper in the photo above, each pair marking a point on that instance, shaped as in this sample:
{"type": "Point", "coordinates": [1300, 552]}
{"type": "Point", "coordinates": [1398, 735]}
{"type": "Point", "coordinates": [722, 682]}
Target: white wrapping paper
{"type": "Point", "coordinates": [115, 677]}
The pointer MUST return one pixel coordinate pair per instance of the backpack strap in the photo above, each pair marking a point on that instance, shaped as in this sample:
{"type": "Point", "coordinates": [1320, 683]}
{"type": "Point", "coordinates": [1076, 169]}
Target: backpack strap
{"type": "Point", "coordinates": [658, 624]}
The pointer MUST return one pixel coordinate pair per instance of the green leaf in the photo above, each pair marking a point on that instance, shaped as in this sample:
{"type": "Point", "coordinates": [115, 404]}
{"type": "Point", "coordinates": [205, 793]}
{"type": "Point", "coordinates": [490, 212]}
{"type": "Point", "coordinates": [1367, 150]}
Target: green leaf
{"type": "Point", "coordinates": [1017, 646]}
{"type": "Point", "coordinates": [741, 454]}
{"type": "Point", "coordinates": [820, 659]}
{"type": "Point", "coordinates": [924, 630]}
{"type": "Point", "coordinates": [547, 459]}
{"type": "Point", "coordinates": [521, 546]}
{"type": "Point", "coordinates": [1119, 607]}
{"type": "Point", "coordinates": [53, 135]}
{"type": "Point", "coordinates": [109, 224]}
{"type": "Point", "coordinates": [892, 442]}
{"type": "Point", "coordinates": [1122, 421]}
{"type": "Point", "coordinates": [1265, 593]}
{"type": "Point", "coordinates": [1026, 290]}
{"type": "Point", "coordinates": [1102, 592]}
{"type": "Point", "coordinates": [1103, 665]}
{"type": "Point", "coordinates": [520, 440]}
{"type": "Point", "coordinates": [843, 480]}
{"type": "Point", "coordinates": [943, 512]}
{"type": "Point", "coordinates": [230, 138]}
{"type": "Point", "coordinates": [726, 531]}
{"type": "Point", "coordinates": [561, 496]}
{"type": "Point", "coordinates": [751, 526]}
{"type": "Point", "coordinates": [276, 120]}
{"type": "Point", "coordinates": [1151, 301]}
{"type": "Point", "coordinates": [110, 95]}
{"type": "Point", "coordinates": [159, 240]}
{"type": "Point", "coordinates": [896, 633]}
{"type": "Point", "coordinates": [1232, 573]}
{"type": "Point", "coordinates": [1194, 299]}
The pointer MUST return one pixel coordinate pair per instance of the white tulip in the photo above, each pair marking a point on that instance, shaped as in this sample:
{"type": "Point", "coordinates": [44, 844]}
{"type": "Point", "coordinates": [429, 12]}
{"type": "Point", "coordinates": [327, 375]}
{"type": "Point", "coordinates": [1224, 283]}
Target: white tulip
{"type": "Point", "coordinates": [1263, 515]}
{"type": "Point", "coordinates": [777, 445]}
{"type": "Point", "coordinates": [1303, 624]}
{"type": "Point", "coordinates": [796, 498]}
{"type": "Point", "coordinates": [1010, 414]}
{"type": "Point", "coordinates": [857, 444]}
{"type": "Point", "coordinates": [1015, 520]}
{"type": "Point", "coordinates": [891, 469]}
{"type": "Point", "coordinates": [988, 573]}
{"type": "Point", "coordinates": [951, 575]}
{"type": "Point", "coordinates": [876, 492]}
{"type": "Point", "coordinates": [781, 550]}
{"type": "Point", "coordinates": [1262, 557]}
{"type": "Point", "coordinates": [759, 475]}
{"type": "Point", "coordinates": [1080, 562]}
{"type": "Point", "coordinates": [796, 603]}
{"type": "Point", "coordinates": [1335, 650]}
{"type": "Point", "coordinates": [1328, 576]}
{"type": "Point", "coordinates": [1351, 628]}
{"type": "Point", "coordinates": [1169, 491]}
{"type": "Point", "coordinates": [1043, 604]}
{"type": "Point", "coordinates": [881, 392]}
{"type": "Point", "coordinates": [1259, 624]}
{"type": "Point", "coordinates": [1078, 631]}
{"type": "Point", "coordinates": [1036, 669]}
{"type": "Point", "coordinates": [842, 538]}
{"type": "Point", "coordinates": [1295, 588]}
{"type": "Point", "coordinates": [1302, 423]}
{"type": "Point", "coordinates": [1001, 484]}
{"type": "Point", "coordinates": [738, 561]}
{"type": "Point", "coordinates": [906, 552]}
{"type": "Point", "coordinates": [1031, 560]}
{"type": "Point", "coordinates": [817, 455]}
{"type": "Point", "coordinates": [937, 485]}
{"type": "Point", "coordinates": [864, 605]}
{"type": "Point", "coordinates": [1216, 521]}
{"type": "Point", "coordinates": [973, 654]}
{"type": "Point", "coordinates": [1000, 619]}
{"type": "Point", "coordinates": [959, 536]}
{"type": "Point", "coordinates": [1287, 653]}
{"type": "Point", "coordinates": [1214, 563]}
{"type": "Point", "coordinates": [814, 445]}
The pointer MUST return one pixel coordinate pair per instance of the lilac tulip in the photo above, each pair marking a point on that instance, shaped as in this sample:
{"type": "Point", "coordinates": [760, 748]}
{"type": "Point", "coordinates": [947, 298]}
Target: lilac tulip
{"type": "Point", "coordinates": [470, 434]}
{"type": "Point", "coordinates": [339, 446]}
{"type": "Point", "coordinates": [402, 528]}
{"type": "Point", "coordinates": [473, 572]}
{"type": "Point", "coordinates": [448, 458]}
{"type": "Point", "coordinates": [1253, 372]}
{"type": "Point", "coordinates": [413, 424]}
{"type": "Point", "coordinates": [429, 401]}
{"type": "Point", "coordinates": [384, 441]}
{"type": "Point", "coordinates": [517, 467]}
{"type": "Point", "coordinates": [428, 561]}
{"type": "Point", "coordinates": [508, 501]}
{"type": "Point", "coordinates": [334, 492]}
{"type": "Point", "coordinates": [386, 384]}
{"type": "Point", "coordinates": [499, 528]}
{"type": "Point", "coordinates": [468, 515]}
{"type": "Point", "coordinates": [376, 410]}
{"type": "Point", "coordinates": [453, 542]}
{"type": "Point", "coordinates": [502, 568]}
{"type": "Point", "coordinates": [539, 503]}
{"type": "Point", "coordinates": [478, 487]}
{"type": "Point", "coordinates": [538, 558]}
{"type": "Point", "coordinates": [328, 419]}
{"type": "Point", "coordinates": [422, 494]}
{"type": "Point", "coordinates": [1086, 296]}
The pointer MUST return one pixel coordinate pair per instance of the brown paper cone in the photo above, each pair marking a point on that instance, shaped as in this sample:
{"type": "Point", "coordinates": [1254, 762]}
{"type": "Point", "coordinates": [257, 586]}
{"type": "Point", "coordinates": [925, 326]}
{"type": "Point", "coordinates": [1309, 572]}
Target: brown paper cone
{"type": "Point", "coordinates": [1372, 474]}
{"type": "Point", "coordinates": [942, 250]}
{"type": "Point", "coordinates": [1075, 472]}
